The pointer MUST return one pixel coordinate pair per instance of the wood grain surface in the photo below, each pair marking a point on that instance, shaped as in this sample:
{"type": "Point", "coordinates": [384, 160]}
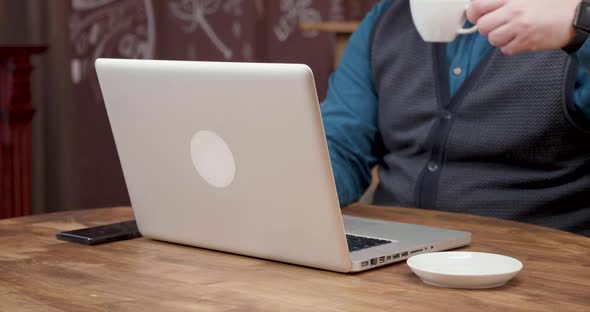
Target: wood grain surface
{"type": "Point", "coordinates": [41, 273]}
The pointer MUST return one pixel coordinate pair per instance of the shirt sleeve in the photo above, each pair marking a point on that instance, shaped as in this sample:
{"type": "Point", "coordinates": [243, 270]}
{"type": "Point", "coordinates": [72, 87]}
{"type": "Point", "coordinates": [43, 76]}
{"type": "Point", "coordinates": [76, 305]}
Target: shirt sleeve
{"type": "Point", "coordinates": [582, 88]}
{"type": "Point", "coordinates": [349, 114]}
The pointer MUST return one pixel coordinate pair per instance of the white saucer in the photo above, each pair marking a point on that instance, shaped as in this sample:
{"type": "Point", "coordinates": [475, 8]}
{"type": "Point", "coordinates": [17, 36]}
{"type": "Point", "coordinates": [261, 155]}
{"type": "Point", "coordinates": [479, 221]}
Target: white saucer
{"type": "Point", "coordinates": [467, 270]}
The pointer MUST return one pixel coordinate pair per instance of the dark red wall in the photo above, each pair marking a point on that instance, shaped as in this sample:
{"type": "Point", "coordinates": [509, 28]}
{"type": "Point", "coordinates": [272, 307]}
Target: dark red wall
{"type": "Point", "coordinates": [216, 30]}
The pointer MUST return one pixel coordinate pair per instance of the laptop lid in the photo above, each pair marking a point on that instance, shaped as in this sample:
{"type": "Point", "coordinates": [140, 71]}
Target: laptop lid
{"type": "Point", "coordinates": [227, 156]}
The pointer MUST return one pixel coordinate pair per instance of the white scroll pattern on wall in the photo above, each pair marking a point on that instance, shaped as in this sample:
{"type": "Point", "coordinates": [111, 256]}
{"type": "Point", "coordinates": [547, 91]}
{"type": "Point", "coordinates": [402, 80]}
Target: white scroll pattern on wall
{"type": "Point", "coordinates": [103, 28]}
{"type": "Point", "coordinates": [126, 28]}
{"type": "Point", "coordinates": [293, 13]}
{"type": "Point", "coordinates": [195, 14]}
{"type": "Point", "coordinates": [230, 30]}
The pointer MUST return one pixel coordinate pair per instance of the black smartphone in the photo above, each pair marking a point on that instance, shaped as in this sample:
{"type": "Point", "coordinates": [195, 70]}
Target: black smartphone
{"type": "Point", "coordinates": [102, 234]}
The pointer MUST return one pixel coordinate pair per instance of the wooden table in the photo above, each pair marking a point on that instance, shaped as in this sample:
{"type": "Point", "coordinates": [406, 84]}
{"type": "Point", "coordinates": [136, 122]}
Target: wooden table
{"type": "Point", "coordinates": [40, 273]}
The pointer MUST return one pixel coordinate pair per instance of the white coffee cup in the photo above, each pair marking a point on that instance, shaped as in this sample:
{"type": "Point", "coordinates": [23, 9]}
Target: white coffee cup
{"type": "Point", "coordinates": [440, 20]}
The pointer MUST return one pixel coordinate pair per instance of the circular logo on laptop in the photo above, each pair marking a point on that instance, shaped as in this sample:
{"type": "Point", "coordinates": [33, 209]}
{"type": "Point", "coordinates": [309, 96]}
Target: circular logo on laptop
{"type": "Point", "coordinates": [213, 159]}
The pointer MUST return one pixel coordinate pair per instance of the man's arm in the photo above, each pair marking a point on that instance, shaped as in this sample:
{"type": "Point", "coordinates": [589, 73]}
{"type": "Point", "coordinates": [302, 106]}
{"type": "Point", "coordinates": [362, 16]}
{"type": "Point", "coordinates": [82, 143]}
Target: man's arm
{"type": "Point", "coordinates": [349, 113]}
{"type": "Point", "coordinates": [582, 88]}
{"type": "Point", "coordinates": [517, 26]}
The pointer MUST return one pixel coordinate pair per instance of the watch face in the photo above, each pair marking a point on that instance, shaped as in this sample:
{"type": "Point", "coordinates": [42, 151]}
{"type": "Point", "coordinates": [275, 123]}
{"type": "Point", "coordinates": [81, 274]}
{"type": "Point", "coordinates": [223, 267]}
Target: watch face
{"type": "Point", "coordinates": [583, 20]}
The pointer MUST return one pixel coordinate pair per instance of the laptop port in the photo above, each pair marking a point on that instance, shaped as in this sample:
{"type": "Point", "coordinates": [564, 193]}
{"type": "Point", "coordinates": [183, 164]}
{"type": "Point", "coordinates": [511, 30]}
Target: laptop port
{"type": "Point", "coordinates": [395, 256]}
{"type": "Point", "coordinates": [388, 258]}
{"type": "Point", "coordinates": [404, 254]}
{"type": "Point", "coordinates": [374, 261]}
{"type": "Point", "coordinates": [382, 259]}
{"type": "Point", "coordinates": [364, 263]}
{"type": "Point", "coordinates": [415, 251]}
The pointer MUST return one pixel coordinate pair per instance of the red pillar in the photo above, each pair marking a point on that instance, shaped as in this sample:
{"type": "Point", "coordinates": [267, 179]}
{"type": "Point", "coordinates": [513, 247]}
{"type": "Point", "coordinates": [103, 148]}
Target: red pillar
{"type": "Point", "coordinates": [16, 115]}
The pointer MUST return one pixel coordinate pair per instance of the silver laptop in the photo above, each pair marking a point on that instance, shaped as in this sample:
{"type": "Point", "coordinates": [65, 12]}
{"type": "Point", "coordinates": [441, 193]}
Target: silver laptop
{"type": "Point", "coordinates": [233, 157]}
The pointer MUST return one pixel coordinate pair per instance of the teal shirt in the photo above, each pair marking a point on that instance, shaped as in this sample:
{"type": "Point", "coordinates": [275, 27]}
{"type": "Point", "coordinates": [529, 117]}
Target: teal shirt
{"type": "Point", "coordinates": [349, 111]}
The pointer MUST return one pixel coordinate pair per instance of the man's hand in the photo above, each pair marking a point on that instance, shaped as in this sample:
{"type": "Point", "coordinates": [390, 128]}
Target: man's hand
{"type": "Point", "coordinates": [517, 26]}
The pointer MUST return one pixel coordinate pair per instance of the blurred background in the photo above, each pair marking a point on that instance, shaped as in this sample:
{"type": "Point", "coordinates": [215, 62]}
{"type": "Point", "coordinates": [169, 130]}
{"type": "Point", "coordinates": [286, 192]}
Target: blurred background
{"type": "Point", "coordinates": [56, 148]}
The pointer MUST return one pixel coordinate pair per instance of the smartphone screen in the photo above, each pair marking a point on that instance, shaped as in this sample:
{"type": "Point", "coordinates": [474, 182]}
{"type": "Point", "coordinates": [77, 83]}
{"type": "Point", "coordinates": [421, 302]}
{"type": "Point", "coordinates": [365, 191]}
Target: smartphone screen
{"type": "Point", "coordinates": [102, 234]}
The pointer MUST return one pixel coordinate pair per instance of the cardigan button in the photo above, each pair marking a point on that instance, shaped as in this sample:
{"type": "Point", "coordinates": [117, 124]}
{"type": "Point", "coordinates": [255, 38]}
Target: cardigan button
{"type": "Point", "coordinates": [447, 115]}
{"type": "Point", "coordinates": [432, 166]}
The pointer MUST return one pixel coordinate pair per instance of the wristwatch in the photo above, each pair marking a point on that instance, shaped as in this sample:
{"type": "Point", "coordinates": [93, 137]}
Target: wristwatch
{"type": "Point", "coordinates": [581, 25]}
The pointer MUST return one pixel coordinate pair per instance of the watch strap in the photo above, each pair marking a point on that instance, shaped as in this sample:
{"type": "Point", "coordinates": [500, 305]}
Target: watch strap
{"type": "Point", "coordinates": [581, 33]}
{"type": "Point", "coordinates": [576, 43]}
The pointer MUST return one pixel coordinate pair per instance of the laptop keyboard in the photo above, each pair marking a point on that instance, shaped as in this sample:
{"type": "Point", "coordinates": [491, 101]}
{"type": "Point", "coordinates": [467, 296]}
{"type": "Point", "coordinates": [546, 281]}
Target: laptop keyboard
{"type": "Point", "coordinates": [356, 243]}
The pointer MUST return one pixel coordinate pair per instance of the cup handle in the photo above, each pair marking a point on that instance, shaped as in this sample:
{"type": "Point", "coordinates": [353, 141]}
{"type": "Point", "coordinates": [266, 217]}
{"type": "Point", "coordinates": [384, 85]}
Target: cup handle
{"type": "Point", "coordinates": [466, 31]}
